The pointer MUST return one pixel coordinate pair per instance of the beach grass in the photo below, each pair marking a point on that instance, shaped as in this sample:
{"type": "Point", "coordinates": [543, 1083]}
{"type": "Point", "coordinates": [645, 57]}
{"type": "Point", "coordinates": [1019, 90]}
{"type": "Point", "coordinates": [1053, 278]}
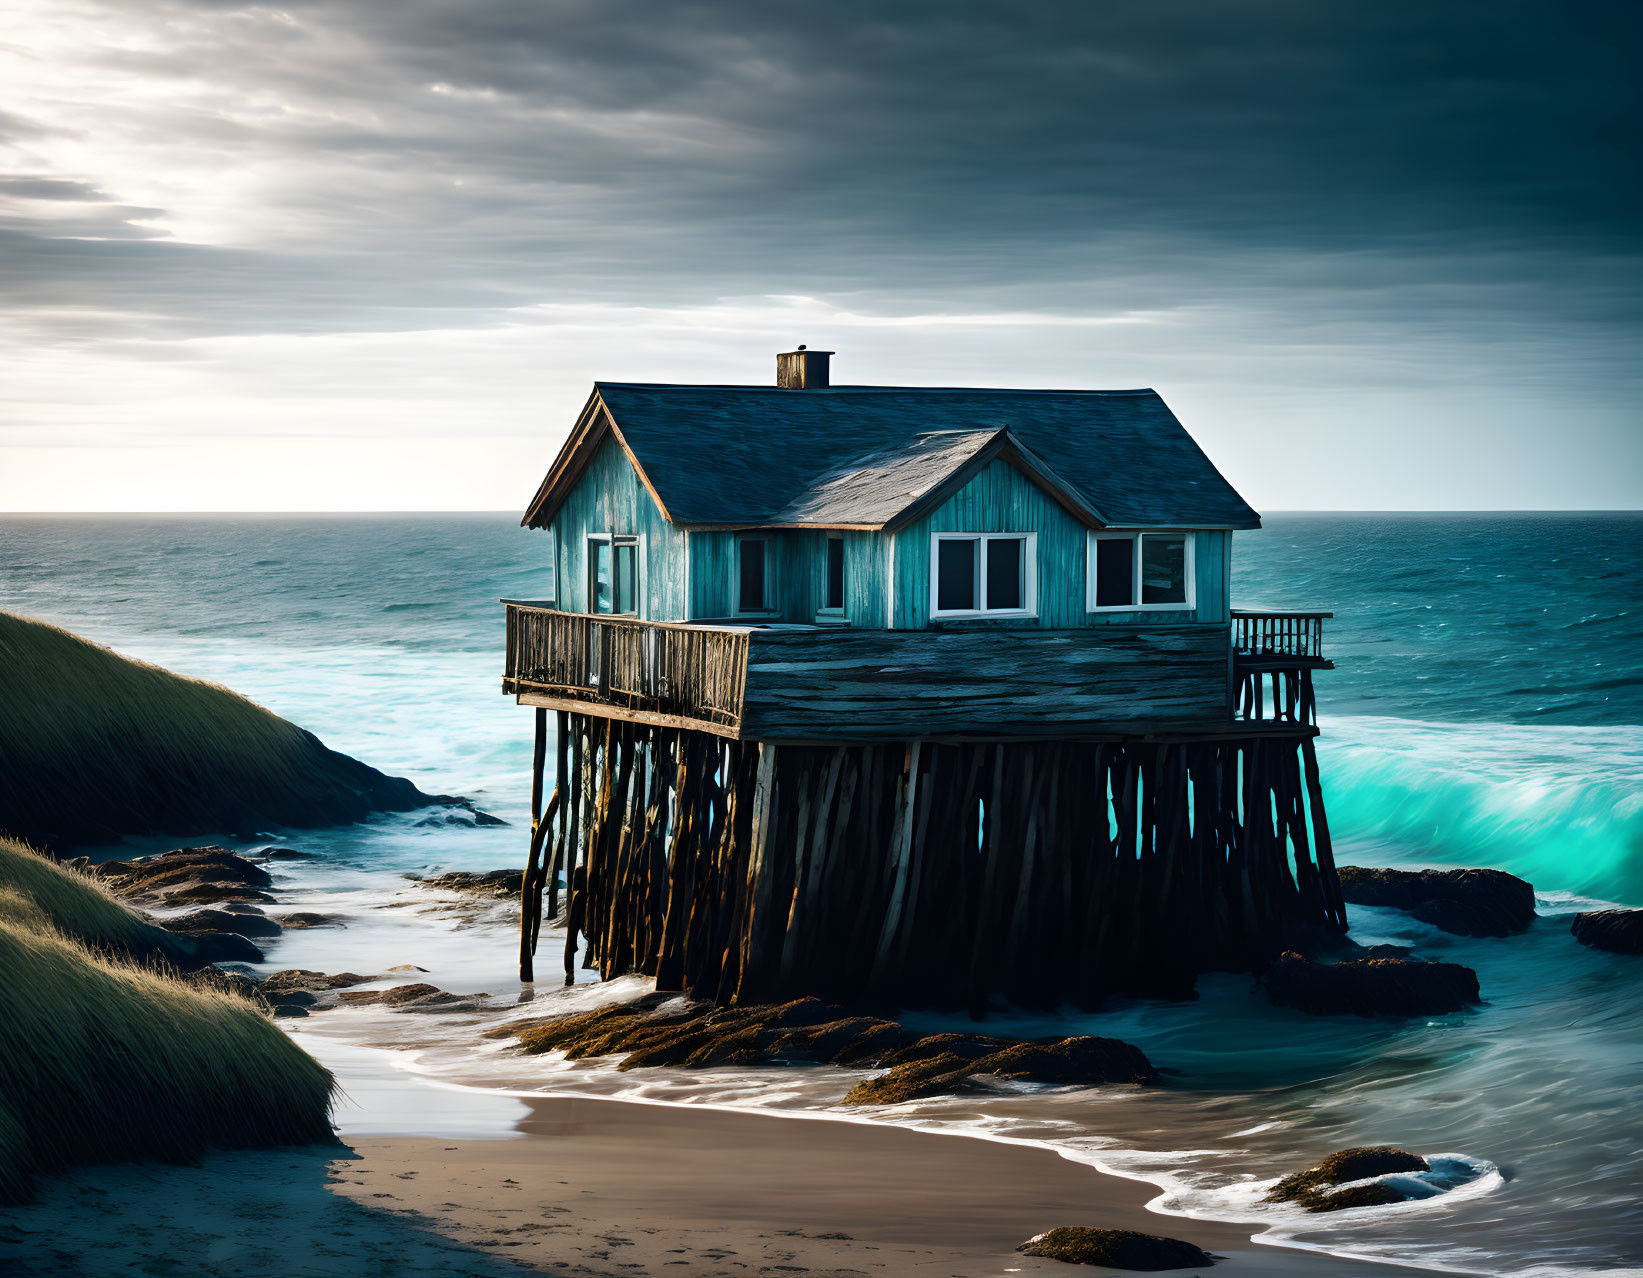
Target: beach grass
{"type": "Point", "coordinates": [95, 746]}
{"type": "Point", "coordinates": [104, 1061]}
{"type": "Point", "coordinates": [73, 902]}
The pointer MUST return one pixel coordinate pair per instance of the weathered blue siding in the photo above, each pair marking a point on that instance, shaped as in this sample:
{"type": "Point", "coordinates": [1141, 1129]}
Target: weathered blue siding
{"type": "Point", "coordinates": [797, 575]}
{"type": "Point", "coordinates": [1003, 499]}
{"type": "Point", "coordinates": [691, 576]}
{"type": "Point", "coordinates": [609, 498]}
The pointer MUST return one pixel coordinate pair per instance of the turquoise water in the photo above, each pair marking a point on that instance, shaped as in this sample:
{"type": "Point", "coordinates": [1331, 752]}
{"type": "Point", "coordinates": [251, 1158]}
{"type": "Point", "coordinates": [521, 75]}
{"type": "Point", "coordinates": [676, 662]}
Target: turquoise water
{"type": "Point", "coordinates": [1487, 709]}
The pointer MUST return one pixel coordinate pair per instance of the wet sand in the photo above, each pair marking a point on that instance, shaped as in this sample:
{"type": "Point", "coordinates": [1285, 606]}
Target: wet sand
{"type": "Point", "coordinates": [607, 1188]}
{"type": "Point", "coordinates": [612, 1187]}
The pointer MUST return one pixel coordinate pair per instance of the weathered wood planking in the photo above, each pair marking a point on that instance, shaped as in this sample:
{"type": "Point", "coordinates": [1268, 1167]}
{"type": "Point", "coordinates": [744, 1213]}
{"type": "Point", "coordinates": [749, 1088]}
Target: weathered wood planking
{"type": "Point", "coordinates": [609, 498]}
{"type": "Point", "coordinates": [888, 685]}
{"type": "Point", "coordinates": [691, 575]}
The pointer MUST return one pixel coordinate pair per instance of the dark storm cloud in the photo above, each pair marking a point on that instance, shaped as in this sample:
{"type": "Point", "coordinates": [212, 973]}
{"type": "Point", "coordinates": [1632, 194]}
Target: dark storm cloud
{"type": "Point", "coordinates": [457, 156]}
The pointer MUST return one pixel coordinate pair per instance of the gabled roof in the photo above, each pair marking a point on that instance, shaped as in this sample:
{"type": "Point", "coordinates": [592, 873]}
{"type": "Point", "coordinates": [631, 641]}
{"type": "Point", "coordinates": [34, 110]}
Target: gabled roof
{"type": "Point", "coordinates": [867, 456]}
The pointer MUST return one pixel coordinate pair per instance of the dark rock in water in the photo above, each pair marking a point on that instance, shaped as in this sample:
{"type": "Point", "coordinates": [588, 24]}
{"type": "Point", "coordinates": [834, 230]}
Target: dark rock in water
{"type": "Point", "coordinates": [1084, 1059]}
{"type": "Point", "coordinates": [485, 818]}
{"type": "Point", "coordinates": [1312, 1188]}
{"type": "Point", "coordinates": [285, 1012]}
{"type": "Point", "coordinates": [1465, 902]}
{"type": "Point", "coordinates": [283, 854]}
{"type": "Point", "coordinates": [304, 919]}
{"type": "Point", "coordinates": [211, 893]}
{"type": "Point", "coordinates": [1618, 931]}
{"type": "Point", "coordinates": [296, 978]}
{"type": "Point", "coordinates": [1369, 987]}
{"type": "Point", "coordinates": [291, 998]}
{"type": "Point", "coordinates": [225, 982]}
{"type": "Point", "coordinates": [213, 864]}
{"type": "Point", "coordinates": [197, 921]}
{"type": "Point", "coordinates": [934, 1076]}
{"type": "Point", "coordinates": [420, 997]}
{"type": "Point", "coordinates": [222, 947]}
{"type": "Point", "coordinates": [490, 882]}
{"type": "Point", "coordinates": [1115, 1249]}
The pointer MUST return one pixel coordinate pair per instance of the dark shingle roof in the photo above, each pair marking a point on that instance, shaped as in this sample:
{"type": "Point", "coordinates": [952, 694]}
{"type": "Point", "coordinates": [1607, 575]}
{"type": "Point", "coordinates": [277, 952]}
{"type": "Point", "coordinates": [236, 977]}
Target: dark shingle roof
{"type": "Point", "coordinates": [751, 455]}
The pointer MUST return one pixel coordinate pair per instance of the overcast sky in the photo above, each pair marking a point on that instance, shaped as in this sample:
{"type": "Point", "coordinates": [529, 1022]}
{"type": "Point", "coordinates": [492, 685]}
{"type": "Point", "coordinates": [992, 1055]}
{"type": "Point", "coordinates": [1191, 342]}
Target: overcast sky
{"type": "Point", "coordinates": [371, 254]}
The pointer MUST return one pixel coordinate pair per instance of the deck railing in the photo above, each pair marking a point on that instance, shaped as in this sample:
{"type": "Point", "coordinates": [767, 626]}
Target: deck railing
{"type": "Point", "coordinates": [668, 672]}
{"type": "Point", "coordinates": [1277, 651]}
{"type": "Point", "coordinates": [1260, 632]}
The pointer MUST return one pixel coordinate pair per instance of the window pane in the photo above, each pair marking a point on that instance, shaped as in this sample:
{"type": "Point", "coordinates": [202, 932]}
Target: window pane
{"type": "Point", "coordinates": [599, 576]}
{"type": "Point", "coordinates": [1004, 559]}
{"type": "Point", "coordinates": [1163, 570]}
{"type": "Point", "coordinates": [1114, 572]}
{"type": "Point", "coordinates": [955, 575]}
{"type": "Point", "coordinates": [626, 592]}
{"type": "Point", "coordinates": [835, 573]}
{"type": "Point", "coordinates": [750, 575]}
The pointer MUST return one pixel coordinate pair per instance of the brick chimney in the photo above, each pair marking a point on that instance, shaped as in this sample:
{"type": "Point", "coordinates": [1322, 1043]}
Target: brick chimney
{"type": "Point", "coordinates": [802, 369]}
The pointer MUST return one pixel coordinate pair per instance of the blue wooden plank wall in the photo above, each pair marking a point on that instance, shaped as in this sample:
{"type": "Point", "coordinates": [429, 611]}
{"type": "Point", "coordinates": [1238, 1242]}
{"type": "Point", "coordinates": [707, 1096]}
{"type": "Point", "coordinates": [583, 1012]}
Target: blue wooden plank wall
{"type": "Point", "coordinates": [1003, 499]}
{"type": "Point", "coordinates": [797, 581]}
{"type": "Point", "coordinates": [692, 575]}
{"type": "Point", "coordinates": [610, 498]}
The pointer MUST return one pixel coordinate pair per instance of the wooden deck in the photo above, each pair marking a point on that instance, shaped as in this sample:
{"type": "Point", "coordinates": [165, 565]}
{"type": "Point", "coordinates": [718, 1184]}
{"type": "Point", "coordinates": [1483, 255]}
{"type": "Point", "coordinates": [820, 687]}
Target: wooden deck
{"type": "Point", "coordinates": [834, 684]}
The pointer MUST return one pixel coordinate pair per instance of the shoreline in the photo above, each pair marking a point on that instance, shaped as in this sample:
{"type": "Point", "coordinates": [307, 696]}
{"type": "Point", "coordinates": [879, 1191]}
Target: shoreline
{"type": "Point", "coordinates": [636, 1187]}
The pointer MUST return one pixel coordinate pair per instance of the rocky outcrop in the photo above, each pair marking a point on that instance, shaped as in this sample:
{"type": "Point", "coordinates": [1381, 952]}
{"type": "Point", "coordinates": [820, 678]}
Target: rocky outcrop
{"type": "Point", "coordinates": [1618, 931]}
{"type": "Point", "coordinates": [1465, 902]}
{"type": "Point", "coordinates": [663, 1029]}
{"type": "Point", "coordinates": [1371, 987]}
{"type": "Point", "coordinates": [239, 922]}
{"type": "Point", "coordinates": [1115, 1249]}
{"type": "Point", "coordinates": [416, 998]}
{"type": "Point", "coordinates": [307, 919]}
{"type": "Point", "coordinates": [1314, 1187]}
{"type": "Point", "coordinates": [484, 882]}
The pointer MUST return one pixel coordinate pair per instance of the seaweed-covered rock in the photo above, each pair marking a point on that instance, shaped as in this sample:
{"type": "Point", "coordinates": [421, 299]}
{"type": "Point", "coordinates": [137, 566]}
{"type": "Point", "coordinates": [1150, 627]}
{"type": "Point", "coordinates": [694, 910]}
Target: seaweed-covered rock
{"type": "Point", "coordinates": [195, 892]}
{"type": "Point", "coordinates": [1116, 1249]}
{"type": "Point", "coordinates": [847, 1040]}
{"type": "Point", "coordinates": [971, 1047]}
{"type": "Point", "coordinates": [1084, 1059]}
{"type": "Point", "coordinates": [933, 1076]}
{"type": "Point", "coordinates": [1371, 987]}
{"type": "Point", "coordinates": [1470, 902]}
{"type": "Point", "coordinates": [1618, 931]}
{"type": "Point", "coordinates": [1313, 1188]}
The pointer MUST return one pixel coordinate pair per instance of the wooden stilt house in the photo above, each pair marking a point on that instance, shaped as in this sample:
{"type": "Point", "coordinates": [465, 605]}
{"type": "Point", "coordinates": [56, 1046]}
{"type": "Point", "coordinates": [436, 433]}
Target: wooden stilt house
{"type": "Point", "coordinates": [928, 696]}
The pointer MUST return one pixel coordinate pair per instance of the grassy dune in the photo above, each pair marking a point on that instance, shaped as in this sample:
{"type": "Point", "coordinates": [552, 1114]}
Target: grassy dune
{"type": "Point", "coordinates": [101, 1061]}
{"type": "Point", "coordinates": [94, 746]}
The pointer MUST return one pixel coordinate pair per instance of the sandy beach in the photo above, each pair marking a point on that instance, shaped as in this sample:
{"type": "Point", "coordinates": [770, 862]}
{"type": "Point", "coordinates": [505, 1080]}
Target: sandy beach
{"type": "Point", "coordinates": [603, 1187]}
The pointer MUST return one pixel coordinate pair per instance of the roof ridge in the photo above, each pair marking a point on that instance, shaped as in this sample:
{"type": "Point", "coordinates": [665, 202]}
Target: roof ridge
{"type": "Point", "coordinates": [834, 390]}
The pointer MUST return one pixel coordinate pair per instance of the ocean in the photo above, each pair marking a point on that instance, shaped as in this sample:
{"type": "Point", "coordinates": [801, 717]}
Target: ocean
{"type": "Point", "coordinates": [1486, 709]}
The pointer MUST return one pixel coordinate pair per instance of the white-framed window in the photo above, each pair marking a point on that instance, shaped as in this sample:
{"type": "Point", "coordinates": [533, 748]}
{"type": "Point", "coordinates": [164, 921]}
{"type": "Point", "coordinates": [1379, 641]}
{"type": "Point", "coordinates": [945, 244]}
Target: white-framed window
{"type": "Point", "coordinates": [752, 581]}
{"type": "Point", "coordinates": [983, 574]}
{"type": "Point", "coordinates": [615, 574]}
{"type": "Point", "coordinates": [1140, 572]}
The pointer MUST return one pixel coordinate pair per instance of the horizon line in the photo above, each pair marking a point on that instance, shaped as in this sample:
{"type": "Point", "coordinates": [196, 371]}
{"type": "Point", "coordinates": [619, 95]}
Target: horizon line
{"type": "Point", "coordinates": [509, 510]}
